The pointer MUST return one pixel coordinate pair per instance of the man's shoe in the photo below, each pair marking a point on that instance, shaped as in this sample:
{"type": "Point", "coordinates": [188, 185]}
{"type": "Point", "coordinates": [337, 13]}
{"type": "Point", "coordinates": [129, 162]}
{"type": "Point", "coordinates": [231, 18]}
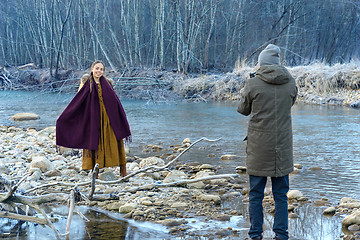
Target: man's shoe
{"type": "Point", "coordinates": [277, 237]}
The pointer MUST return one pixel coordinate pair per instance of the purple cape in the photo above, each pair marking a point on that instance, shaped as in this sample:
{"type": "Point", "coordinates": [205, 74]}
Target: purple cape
{"type": "Point", "coordinates": [79, 125]}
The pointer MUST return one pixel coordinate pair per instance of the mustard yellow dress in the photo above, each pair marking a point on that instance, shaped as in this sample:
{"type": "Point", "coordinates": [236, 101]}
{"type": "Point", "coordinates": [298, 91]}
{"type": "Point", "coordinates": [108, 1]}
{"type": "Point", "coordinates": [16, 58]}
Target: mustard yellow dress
{"type": "Point", "coordinates": [110, 152]}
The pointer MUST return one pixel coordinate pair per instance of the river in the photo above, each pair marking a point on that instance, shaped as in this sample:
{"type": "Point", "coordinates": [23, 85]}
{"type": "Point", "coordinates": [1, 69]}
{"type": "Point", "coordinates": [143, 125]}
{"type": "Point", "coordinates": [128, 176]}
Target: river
{"type": "Point", "coordinates": [324, 136]}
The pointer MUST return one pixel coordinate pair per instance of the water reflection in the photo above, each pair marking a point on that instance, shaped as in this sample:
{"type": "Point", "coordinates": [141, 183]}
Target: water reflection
{"type": "Point", "coordinates": [312, 224]}
{"type": "Point", "coordinates": [102, 227]}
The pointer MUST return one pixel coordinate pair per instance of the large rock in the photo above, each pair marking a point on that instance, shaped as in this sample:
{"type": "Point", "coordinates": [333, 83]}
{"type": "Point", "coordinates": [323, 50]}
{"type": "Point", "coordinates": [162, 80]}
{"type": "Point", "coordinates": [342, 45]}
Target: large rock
{"type": "Point", "coordinates": [294, 194]}
{"type": "Point", "coordinates": [25, 116]}
{"type": "Point", "coordinates": [197, 185]}
{"type": "Point", "coordinates": [175, 176]}
{"type": "Point", "coordinates": [171, 222]}
{"type": "Point", "coordinates": [4, 169]}
{"type": "Point", "coordinates": [126, 208]}
{"type": "Point", "coordinates": [179, 205]}
{"type": "Point", "coordinates": [41, 162]}
{"type": "Point", "coordinates": [151, 161]}
{"type": "Point", "coordinates": [203, 174]}
{"type": "Point", "coordinates": [355, 104]}
{"type": "Point", "coordinates": [353, 218]}
{"type": "Point", "coordinates": [35, 176]}
{"type": "Point", "coordinates": [207, 166]}
{"type": "Point", "coordinates": [241, 169]}
{"type": "Point", "coordinates": [107, 176]}
{"type": "Point", "coordinates": [347, 202]}
{"type": "Point", "coordinates": [329, 211]}
{"type": "Point", "coordinates": [133, 166]}
{"type": "Point", "coordinates": [209, 198]}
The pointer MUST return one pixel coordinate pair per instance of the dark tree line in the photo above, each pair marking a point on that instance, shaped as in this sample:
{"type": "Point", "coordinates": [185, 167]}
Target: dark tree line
{"type": "Point", "coordinates": [188, 35]}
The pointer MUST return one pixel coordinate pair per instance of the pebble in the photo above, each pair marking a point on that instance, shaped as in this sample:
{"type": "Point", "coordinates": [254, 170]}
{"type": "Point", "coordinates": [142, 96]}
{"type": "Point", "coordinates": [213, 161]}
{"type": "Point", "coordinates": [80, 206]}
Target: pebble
{"type": "Point", "coordinates": [25, 116]}
{"type": "Point", "coordinates": [329, 211]}
{"type": "Point", "coordinates": [294, 194]}
{"type": "Point", "coordinates": [228, 157]}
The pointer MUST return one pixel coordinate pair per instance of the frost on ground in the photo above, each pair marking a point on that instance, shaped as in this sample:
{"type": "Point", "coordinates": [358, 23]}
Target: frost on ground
{"type": "Point", "coordinates": [318, 83]}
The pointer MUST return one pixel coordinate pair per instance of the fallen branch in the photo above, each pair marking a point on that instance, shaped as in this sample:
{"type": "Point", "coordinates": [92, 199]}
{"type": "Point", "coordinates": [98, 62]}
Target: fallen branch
{"type": "Point", "coordinates": [81, 215]}
{"type": "Point", "coordinates": [153, 168]}
{"type": "Point", "coordinates": [5, 183]}
{"type": "Point", "coordinates": [41, 186]}
{"type": "Point", "coordinates": [71, 211]}
{"type": "Point", "coordinates": [48, 221]}
{"type": "Point", "coordinates": [20, 217]}
{"type": "Point", "coordinates": [157, 168]}
{"type": "Point", "coordinates": [93, 180]}
{"type": "Point", "coordinates": [76, 195]}
{"type": "Point", "coordinates": [36, 200]}
{"type": "Point", "coordinates": [13, 189]}
{"type": "Point", "coordinates": [181, 182]}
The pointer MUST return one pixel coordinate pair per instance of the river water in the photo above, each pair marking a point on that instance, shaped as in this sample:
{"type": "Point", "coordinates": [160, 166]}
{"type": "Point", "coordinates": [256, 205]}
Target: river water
{"type": "Point", "coordinates": [324, 136]}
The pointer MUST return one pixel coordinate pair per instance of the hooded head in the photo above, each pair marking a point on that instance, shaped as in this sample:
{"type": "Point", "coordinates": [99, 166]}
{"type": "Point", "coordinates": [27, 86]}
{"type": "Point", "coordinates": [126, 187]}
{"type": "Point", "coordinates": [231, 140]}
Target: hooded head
{"type": "Point", "coordinates": [270, 55]}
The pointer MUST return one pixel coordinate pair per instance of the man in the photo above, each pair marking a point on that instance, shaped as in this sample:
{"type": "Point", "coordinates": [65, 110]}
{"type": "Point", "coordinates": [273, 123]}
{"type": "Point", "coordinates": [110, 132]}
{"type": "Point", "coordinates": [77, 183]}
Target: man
{"type": "Point", "coordinates": [268, 97]}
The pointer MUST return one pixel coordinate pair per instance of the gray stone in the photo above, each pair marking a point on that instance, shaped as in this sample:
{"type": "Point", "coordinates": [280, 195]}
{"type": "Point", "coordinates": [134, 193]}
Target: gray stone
{"type": "Point", "coordinates": [197, 185]}
{"type": "Point", "coordinates": [241, 169]}
{"type": "Point", "coordinates": [52, 173]}
{"type": "Point", "coordinates": [35, 176]}
{"type": "Point", "coordinates": [107, 176]}
{"type": "Point", "coordinates": [347, 202]}
{"type": "Point", "coordinates": [228, 157]}
{"type": "Point", "coordinates": [151, 161]}
{"type": "Point", "coordinates": [179, 205]}
{"type": "Point", "coordinates": [354, 227]}
{"type": "Point", "coordinates": [353, 218]}
{"type": "Point", "coordinates": [209, 198]}
{"type": "Point", "coordinates": [41, 162]}
{"type": "Point", "coordinates": [4, 169]}
{"type": "Point", "coordinates": [329, 211]}
{"type": "Point", "coordinates": [224, 232]}
{"type": "Point", "coordinates": [171, 222]}
{"type": "Point", "coordinates": [127, 208]}
{"type": "Point", "coordinates": [294, 194]}
{"type": "Point", "coordinates": [207, 166]}
{"type": "Point", "coordinates": [298, 166]}
{"type": "Point", "coordinates": [25, 116]}
{"type": "Point", "coordinates": [355, 104]}
{"type": "Point", "coordinates": [174, 176]}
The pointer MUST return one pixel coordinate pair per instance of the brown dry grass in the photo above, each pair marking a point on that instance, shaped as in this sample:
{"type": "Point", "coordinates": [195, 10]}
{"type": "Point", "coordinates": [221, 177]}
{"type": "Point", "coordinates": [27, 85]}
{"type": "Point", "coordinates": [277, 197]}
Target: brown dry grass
{"type": "Point", "coordinates": [341, 81]}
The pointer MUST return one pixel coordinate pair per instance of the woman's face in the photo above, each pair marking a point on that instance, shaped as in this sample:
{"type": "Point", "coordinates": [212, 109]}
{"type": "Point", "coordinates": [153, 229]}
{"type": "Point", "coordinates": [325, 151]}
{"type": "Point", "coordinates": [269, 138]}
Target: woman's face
{"type": "Point", "coordinates": [98, 70]}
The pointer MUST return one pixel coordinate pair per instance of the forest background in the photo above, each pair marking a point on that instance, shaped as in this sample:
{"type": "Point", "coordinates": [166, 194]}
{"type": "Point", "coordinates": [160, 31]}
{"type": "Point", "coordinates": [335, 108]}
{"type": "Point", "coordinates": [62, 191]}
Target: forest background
{"type": "Point", "coordinates": [182, 36]}
{"type": "Point", "coordinates": [189, 35]}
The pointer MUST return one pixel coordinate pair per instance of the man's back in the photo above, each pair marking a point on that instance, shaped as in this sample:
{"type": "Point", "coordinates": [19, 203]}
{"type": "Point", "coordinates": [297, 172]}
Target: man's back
{"type": "Point", "coordinates": [268, 98]}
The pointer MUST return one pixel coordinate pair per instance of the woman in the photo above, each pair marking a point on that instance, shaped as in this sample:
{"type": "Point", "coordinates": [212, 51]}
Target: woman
{"type": "Point", "coordinates": [95, 121]}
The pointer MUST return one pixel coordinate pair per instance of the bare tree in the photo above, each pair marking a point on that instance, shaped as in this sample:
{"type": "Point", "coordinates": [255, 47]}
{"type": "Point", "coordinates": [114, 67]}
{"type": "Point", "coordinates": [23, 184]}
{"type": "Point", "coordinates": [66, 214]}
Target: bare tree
{"type": "Point", "coordinates": [188, 35]}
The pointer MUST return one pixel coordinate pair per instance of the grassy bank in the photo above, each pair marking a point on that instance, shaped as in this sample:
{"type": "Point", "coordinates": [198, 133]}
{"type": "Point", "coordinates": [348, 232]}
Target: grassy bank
{"type": "Point", "coordinates": [318, 83]}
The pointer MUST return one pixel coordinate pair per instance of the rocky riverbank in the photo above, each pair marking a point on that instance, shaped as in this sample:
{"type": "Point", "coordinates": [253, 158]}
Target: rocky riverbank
{"type": "Point", "coordinates": [317, 83]}
{"type": "Point", "coordinates": [167, 196]}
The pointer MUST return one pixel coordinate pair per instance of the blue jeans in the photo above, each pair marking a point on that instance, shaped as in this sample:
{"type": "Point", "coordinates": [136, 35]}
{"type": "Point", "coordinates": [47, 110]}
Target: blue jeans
{"type": "Point", "coordinates": [280, 186]}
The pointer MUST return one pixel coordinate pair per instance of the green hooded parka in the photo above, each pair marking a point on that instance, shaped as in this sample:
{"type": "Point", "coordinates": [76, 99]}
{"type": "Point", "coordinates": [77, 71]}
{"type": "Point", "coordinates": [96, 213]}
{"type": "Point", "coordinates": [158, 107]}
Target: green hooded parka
{"type": "Point", "coordinates": [268, 98]}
